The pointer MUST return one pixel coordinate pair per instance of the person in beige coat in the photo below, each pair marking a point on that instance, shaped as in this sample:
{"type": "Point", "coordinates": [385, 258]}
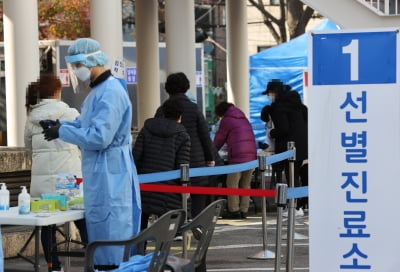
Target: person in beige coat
{"type": "Point", "coordinates": [49, 158]}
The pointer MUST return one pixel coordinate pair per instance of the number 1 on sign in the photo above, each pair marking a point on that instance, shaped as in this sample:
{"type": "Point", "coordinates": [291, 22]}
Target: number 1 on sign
{"type": "Point", "coordinates": [352, 49]}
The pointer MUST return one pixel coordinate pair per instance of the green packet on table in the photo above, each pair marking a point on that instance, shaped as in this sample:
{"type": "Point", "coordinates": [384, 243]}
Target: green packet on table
{"type": "Point", "coordinates": [76, 203]}
{"type": "Point", "coordinates": [62, 200]}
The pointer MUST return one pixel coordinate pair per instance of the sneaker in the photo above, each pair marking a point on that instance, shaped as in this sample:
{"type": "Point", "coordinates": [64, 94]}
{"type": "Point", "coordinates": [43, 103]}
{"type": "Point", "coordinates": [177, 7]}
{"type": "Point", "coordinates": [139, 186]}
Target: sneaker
{"type": "Point", "coordinates": [299, 212]}
{"type": "Point", "coordinates": [243, 215]}
{"type": "Point", "coordinates": [178, 238]}
{"type": "Point", "coordinates": [232, 215]}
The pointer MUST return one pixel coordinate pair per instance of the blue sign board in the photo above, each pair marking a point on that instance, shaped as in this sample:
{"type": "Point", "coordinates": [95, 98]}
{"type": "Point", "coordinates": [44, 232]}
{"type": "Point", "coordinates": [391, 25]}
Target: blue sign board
{"type": "Point", "coordinates": [353, 90]}
{"type": "Point", "coordinates": [199, 78]}
{"type": "Point", "coordinates": [131, 75]}
{"type": "Point", "coordinates": [354, 58]}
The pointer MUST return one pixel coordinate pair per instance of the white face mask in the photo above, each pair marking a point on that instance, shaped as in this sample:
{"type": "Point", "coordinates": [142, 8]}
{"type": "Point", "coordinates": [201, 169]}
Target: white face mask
{"type": "Point", "coordinates": [82, 73]}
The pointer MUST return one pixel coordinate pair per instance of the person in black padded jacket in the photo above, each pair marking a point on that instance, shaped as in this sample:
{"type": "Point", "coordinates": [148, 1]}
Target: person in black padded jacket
{"type": "Point", "coordinates": [289, 116]}
{"type": "Point", "coordinates": [162, 145]}
{"type": "Point", "coordinates": [201, 149]}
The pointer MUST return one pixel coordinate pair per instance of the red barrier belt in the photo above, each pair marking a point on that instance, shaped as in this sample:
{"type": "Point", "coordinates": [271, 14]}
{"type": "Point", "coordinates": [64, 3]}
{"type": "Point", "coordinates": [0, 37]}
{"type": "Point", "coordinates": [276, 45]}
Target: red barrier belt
{"type": "Point", "coordinates": [201, 190]}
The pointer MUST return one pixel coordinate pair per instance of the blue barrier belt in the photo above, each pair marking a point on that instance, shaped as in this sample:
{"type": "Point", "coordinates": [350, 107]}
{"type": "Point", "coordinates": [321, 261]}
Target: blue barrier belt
{"type": "Point", "coordinates": [226, 169]}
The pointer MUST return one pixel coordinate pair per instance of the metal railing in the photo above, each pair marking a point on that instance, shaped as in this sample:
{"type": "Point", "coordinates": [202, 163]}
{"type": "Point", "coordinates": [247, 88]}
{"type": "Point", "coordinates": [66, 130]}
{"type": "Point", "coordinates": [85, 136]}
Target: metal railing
{"type": "Point", "coordinates": [383, 7]}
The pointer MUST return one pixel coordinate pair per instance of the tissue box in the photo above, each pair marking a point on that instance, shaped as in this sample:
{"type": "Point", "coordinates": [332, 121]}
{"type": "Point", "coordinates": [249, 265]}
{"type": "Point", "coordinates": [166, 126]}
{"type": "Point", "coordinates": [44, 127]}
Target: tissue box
{"type": "Point", "coordinates": [62, 199]}
{"type": "Point", "coordinates": [45, 205]}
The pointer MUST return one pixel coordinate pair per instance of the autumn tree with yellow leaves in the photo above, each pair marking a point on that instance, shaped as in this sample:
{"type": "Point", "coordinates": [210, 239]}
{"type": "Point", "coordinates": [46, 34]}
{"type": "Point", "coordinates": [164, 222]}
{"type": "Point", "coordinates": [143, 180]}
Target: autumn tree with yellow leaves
{"type": "Point", "coordinates": [63, 19]}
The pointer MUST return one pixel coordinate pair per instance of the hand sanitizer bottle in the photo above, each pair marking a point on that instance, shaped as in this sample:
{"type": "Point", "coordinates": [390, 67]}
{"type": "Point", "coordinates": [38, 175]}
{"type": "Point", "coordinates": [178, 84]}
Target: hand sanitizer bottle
{"type": "Point", "coordinates": [24, 201]}
{"type": "Point", "coordinates": [4, 197]}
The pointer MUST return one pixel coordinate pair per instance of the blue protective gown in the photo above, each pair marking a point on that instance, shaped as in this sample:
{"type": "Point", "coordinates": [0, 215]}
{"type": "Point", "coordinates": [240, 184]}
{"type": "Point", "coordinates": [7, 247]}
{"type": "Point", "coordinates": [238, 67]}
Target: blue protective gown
{"type": "Point", "coordinates": [111, 185]}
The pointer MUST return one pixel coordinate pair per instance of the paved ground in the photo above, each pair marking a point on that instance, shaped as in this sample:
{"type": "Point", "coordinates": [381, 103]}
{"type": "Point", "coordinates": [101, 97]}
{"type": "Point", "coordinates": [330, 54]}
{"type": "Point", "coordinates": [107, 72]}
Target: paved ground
{"type": "Point", "coordinates": [234, 241]}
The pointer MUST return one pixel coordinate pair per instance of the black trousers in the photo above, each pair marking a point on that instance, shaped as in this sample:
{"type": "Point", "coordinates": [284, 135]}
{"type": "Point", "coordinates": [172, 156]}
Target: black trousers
{"type": "Point", "coordinates": [56, 264]}
{"type": "Point", "coordinates": [300, 179]}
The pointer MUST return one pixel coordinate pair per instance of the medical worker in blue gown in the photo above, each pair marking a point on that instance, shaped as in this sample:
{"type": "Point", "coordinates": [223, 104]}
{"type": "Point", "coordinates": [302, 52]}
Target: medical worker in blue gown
{"type": "Point", "coordinates": [103, 133]}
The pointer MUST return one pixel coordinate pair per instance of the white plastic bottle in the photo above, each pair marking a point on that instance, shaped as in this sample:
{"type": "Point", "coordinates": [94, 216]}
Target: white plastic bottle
{"type": "Point", "coordinates": [4, 197]}
{"type": "Point", "coordinates": [24, 201]}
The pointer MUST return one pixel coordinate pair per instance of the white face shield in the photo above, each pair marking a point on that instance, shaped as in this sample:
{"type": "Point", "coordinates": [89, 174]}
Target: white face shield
{"type": "Point", "coordinates": [79, 73]}
{"type": "Point", "coordinates": [76, 76]}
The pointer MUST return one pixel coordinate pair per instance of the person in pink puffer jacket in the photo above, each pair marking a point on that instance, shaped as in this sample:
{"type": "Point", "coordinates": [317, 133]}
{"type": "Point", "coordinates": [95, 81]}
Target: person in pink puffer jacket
{"type": "Point", "coordinates": [236, 132]}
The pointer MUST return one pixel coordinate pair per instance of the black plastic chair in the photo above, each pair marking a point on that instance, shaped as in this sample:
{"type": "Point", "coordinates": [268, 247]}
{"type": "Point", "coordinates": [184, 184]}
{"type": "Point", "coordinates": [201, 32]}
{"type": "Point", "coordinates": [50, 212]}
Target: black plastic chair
{"type": "Point", "coordinates": [161, 232]}
{"type": "Point", "coordinates": [202, 226]}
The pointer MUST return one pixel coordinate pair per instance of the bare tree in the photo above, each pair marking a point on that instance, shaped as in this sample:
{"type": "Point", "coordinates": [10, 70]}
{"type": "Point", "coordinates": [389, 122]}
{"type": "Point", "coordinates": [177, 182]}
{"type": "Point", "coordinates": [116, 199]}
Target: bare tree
{"type": "Point", "coordinates": [298, 16]}
{"type": "Point", "coordinates": [294, 14]}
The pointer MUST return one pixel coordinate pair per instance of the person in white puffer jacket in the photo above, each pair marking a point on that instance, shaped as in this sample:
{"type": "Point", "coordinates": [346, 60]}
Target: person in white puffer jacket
{"type": "Point", "coordinates": [43, 101]}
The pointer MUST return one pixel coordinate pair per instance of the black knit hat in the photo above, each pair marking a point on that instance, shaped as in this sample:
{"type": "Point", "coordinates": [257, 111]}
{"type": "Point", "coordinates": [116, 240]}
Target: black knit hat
{"type": "Point", "coordinates": [273, 85]}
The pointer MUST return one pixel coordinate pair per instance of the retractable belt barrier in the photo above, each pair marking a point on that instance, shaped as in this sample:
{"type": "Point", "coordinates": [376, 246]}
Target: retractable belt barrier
{"type": "Point", "coordinates": [146, 180]}
{"type": "Point", "coordinates": [184, 174]}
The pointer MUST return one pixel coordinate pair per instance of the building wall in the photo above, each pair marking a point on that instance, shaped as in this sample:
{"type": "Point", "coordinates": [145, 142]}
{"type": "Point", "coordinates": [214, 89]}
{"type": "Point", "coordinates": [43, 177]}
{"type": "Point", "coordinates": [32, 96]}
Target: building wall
{"type": "Point", "coordinates": [258, 33]}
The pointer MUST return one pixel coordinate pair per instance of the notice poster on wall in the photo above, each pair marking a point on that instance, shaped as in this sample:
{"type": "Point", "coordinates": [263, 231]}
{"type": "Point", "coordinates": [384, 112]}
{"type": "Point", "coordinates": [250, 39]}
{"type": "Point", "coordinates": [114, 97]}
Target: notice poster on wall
{"type": "Point", "coordinates": [354, 150]}
{"type": "Point", "coordinates": [64, 77]}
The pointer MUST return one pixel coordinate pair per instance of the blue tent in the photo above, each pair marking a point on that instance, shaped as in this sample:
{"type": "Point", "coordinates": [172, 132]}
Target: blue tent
{"type": "Point", "coordinates": [286, 62]}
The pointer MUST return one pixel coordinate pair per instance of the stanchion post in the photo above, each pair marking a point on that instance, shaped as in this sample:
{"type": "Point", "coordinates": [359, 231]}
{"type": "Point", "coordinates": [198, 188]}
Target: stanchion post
{"type": "Point", "coordinates": [265, 254]}
{"type": "Point", "coordinates": [280, 201]}
{"type": "Point", "coordinates": [184, 180]}
{"type": "Point", "coordinates": [291, 210]}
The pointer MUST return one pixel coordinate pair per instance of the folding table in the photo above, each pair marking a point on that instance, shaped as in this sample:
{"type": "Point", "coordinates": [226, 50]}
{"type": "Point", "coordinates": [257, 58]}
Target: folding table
{"type": "Point", "coordinates": [11, 217]}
